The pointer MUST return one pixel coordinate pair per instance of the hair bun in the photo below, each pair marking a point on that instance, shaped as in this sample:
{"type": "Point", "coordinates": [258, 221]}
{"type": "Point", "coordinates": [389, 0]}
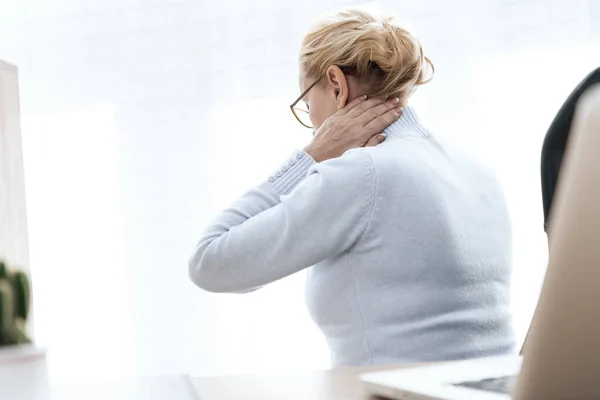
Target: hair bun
{"type": "Point", "coordinates": [373, 47]}
{"type": "Point", "coordinates": [401, 55]}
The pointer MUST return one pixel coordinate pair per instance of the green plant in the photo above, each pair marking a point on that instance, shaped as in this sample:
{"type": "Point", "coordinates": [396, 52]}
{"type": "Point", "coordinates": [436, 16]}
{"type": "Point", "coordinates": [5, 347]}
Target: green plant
{"type": "Point", "coordinates": [14, 306]}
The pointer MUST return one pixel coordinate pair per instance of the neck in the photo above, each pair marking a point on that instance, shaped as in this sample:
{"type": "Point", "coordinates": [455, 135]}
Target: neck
{"type": "Point", "coordinates": [407, 125]}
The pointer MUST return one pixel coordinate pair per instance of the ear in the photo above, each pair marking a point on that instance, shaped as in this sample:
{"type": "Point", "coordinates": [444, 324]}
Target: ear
{"type": "Point", "coordinates": [338, 84]}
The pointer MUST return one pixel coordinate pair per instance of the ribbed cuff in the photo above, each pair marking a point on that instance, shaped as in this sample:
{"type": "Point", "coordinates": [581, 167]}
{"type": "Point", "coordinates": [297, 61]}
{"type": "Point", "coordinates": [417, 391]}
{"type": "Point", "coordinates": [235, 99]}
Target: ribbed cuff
{"type": "Point", "coordinates": [291, 173]}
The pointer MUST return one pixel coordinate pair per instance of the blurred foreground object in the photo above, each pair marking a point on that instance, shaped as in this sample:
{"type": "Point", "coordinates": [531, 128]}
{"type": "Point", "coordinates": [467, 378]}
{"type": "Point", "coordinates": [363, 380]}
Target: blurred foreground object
{"type": "Point", "coordinates": [15, 295]}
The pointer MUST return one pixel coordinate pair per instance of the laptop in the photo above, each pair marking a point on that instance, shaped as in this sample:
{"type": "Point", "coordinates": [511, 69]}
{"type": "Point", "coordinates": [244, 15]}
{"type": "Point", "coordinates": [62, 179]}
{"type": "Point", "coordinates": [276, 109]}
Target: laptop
{"type": "Point", "coordinates": [562, 356]}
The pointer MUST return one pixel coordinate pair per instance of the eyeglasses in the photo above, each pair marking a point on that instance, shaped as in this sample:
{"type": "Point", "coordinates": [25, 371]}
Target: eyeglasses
{"type": "Point", "coordinates": [301, 114]}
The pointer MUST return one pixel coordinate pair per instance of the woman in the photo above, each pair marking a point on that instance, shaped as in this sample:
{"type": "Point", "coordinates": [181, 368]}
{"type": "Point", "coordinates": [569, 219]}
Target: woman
{"type": "Point", "coordinates": [407, 243]}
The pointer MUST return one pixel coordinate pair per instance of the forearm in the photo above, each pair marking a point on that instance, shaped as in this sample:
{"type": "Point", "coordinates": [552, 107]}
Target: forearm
{"type": "Point", "coordinates": [219, 255]}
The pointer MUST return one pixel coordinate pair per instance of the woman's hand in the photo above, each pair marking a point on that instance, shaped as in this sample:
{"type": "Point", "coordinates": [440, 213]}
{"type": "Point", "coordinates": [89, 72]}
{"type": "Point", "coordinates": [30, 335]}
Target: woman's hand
{"type": "Point", "coordinates": [358, 124]}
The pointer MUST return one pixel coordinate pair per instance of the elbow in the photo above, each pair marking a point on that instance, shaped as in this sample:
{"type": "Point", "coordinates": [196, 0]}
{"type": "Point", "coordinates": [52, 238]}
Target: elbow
{"type": "Point", "coordinates": [213, 274]}
{"type": "Point", "coordinates": [202, 274]}
{"type": "Point", "coordinates": [200, 279]}
{"type": "Point", "coordinates": [216, 274]}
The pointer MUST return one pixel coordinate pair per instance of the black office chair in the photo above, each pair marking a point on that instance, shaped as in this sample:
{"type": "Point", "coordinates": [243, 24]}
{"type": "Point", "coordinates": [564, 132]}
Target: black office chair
{"type": "Point", "coordinates": [555, 142]}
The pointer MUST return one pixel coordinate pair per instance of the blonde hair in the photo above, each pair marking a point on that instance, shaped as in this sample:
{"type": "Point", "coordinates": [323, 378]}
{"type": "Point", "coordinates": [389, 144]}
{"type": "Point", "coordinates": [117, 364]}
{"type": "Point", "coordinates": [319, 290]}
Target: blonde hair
{"type": "Point", "coordinates": [374, 50]}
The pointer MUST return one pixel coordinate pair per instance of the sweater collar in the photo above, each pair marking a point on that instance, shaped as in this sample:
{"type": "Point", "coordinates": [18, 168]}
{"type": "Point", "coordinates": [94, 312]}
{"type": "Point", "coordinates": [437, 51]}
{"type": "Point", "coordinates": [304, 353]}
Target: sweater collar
{"type": "Point", "coordinates": [407, 125]}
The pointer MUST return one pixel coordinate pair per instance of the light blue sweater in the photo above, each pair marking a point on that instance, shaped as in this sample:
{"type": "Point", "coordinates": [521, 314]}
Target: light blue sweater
{"type": "Point", "coordinates": [407, 245]}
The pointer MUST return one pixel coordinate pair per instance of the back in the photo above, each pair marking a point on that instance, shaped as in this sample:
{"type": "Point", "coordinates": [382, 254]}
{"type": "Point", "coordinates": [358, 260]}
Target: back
{"type": "Point", "coordinates": [431, 275]}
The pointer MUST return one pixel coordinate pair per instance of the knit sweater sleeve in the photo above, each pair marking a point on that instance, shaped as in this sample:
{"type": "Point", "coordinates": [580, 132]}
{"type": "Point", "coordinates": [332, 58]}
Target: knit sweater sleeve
{"type": "Point", "coordinates": [305, 213]}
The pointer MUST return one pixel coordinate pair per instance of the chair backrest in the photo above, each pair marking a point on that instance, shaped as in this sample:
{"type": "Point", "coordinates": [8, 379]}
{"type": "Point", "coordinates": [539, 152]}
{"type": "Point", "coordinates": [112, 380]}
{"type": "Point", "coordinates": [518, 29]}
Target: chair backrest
{"type": "Point", "coordinates": [554, 147]}
{"type": "Point", "coordinates": [562, 357]}
{"type": "Point", "coordinates": [556, 141]}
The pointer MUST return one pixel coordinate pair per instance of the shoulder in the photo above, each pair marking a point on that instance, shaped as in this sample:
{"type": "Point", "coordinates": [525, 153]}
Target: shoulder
{"type": "Point", "coordinates": [354, 165]}
{"type": "Point", "coordinates": [349, 179]}
{"type": "Point", "coordinates": [402, 158]}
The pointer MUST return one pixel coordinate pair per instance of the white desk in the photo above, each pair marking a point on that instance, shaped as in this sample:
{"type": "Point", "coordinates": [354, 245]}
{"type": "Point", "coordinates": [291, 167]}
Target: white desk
{"type": "Point", "coordinates": [26, 379]}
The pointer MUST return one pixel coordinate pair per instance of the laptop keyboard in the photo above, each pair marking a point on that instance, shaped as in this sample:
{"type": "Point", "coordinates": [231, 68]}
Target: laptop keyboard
{"type": "Point", "coordinates": [503, 384]}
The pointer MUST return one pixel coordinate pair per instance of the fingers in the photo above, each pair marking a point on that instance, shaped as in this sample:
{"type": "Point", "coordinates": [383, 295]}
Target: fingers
{"type": "Point", "coordinates": [364, 106]}
{"type": "Point", "coordinates": [376, 139]}
{"type": "Point", "coordinates": [379, 123]}
{"type": "Point", "coordinates": [352, 104]}
{"type": "Point", "coordinates": [376, 111]}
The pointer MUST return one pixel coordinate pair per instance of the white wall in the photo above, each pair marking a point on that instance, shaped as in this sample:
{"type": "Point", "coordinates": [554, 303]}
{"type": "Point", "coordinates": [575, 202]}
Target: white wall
{"type": "Point", "coordinates": [142, 118]}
